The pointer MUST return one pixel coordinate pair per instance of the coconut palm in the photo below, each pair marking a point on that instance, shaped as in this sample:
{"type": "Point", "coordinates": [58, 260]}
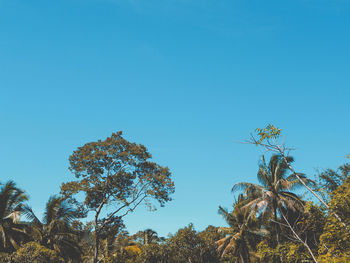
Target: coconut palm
{"type": "Point", "coordinates": [243, 232]}
{"type": "Point", "coordinates": [55, 231]}
{"type": "Point", "coordinates": [11, 230]}
{"type": "Point", "coordinates": [274, 193]}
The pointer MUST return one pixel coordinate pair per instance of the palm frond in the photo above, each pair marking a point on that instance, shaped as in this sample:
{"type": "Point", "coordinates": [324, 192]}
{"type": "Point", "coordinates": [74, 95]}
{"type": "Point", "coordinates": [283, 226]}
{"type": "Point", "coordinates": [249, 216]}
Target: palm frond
{"type": "Point", "coordinates": [295, 182]}
{"type": "Point", "coordinates": [28, 212]}
{"type": "Point", "coordinates": [247, 187]}
{"type": "Point", "coordinates": [51, 209]}
{"type": "Point", "coordinates": [229, 218]}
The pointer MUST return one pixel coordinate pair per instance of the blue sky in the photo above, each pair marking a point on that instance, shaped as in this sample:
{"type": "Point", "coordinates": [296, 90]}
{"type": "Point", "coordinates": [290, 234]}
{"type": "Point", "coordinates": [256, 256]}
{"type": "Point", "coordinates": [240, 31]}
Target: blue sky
{"type": "Point", "coordinates": [184, 78]}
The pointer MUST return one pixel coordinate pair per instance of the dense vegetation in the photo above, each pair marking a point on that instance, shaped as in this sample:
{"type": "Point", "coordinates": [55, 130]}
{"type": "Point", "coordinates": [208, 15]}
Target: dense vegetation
{"type": "Point", "coordinates": [269, 221]}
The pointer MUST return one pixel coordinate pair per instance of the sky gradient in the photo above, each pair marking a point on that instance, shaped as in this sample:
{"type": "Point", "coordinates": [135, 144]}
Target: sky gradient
{"type": "Point", "coordinates": [184, 78]}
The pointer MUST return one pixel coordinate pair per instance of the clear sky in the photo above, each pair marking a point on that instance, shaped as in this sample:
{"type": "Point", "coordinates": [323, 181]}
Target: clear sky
{"type": "Point", "coordinates": [185, 78]}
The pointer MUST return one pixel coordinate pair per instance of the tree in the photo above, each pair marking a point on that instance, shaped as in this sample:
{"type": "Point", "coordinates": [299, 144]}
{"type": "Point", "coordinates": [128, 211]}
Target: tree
{"type": "Point", "coordinates": [268, 138]}
{"type": "Point", "coordinates": [119, 173]}
{"type": "Point", "coordinates": [185, 246]}
{"type": "Point", "coordinates": [243, 231]}
{"type": "Point", "coordinates": [274, 194]}
{"type": "Point", "coordinates": [334, 241]}
{"type": "Point", "coordinates": [154, 252]}
{"type": "Point", "coordinates": [11, 202]}
{"type": "Point", "coordinates": [147, 237]}
{"type": "Point", "coordinates": [310, 224]}
{"type": "Point", "coordinates": [329, 180]}
{"type": "Point", "coordinates": [55, 231]}
{"type": "Point", "coordinates": [208, 237]}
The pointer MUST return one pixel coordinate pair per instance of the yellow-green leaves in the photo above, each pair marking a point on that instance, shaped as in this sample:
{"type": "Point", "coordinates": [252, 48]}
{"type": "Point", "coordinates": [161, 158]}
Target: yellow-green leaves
{"type": "Point", "coordinates": [269, 132]}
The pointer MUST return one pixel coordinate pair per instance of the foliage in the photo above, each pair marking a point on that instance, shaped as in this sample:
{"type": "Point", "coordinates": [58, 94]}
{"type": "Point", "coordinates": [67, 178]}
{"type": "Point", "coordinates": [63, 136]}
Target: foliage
{"type": "Point", "coordinates": [33, 252]}
{"type": "Point", "coordinates": [329, 180]}
{"type": "Point", "coordinates": [185, 245]}
{"type": "Point", "coordinates": [287, 252]}
{"type": "Point", "coordinates": [154, 253]}
{"type": "Point", "coordinates": [269, 132]}
{"type": "Point", "coordinates": [208, 237]}
{"type": "Point", "coordinates": [128, 255]}
{"type": "Point", "coordinates": [311, 223]}
{"type": "Point", "coordinates": [189, 246]}
{"type": "Point", "coordinates": [4, 257]}
{"type": "Point", "coordinates": [335, 242]}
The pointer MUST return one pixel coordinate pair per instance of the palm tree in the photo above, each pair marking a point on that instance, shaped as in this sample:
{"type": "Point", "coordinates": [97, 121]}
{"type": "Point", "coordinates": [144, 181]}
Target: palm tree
{"type": "Point", "coordinates": [243, 231]}
{"type": "Point", "coordinates": [147, 236]}
{"type": "Point", "coordinates": [11, 230]}
{"type": "Point", "coordinates": [274, 194]}
{"type": "Point", "coordinates": [55, 231]}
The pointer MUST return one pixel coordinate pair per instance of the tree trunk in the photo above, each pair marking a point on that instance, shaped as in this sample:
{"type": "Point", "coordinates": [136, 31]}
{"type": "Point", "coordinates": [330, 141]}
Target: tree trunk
{"type": "Point", "coordinates": [96, 246]}
{"type": "Point", "coordinates": [97, 238]}
{"type": "Point", "coordinates": [276, 219]}
{"type": "Point", "coordinates": [97, 230]}
{"type": "Point", "coordinates": [107, 248]}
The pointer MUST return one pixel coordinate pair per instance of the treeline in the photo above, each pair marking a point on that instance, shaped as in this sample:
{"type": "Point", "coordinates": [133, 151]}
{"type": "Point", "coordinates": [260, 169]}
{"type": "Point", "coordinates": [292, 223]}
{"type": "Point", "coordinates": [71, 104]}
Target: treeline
{"type": "Point", "coordinates": [269, 221]}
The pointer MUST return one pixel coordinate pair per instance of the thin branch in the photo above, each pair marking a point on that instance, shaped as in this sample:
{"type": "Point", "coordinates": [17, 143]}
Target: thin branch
{"type": "Point", "coordinates": [297, 237]}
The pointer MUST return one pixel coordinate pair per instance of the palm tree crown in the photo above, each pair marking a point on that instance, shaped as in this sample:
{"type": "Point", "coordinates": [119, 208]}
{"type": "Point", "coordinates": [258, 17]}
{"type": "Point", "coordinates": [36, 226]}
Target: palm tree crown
{"type": "Point", "coordinates": [55, 231]}
{"type": "Point", "coordinates": [11, 201]}
{"type": "Point", "coordinates": [274, 194]}
{"type": "Point", "coordinates": [243, 229]}
{"type": "Point", "coordinates": [276, 186]}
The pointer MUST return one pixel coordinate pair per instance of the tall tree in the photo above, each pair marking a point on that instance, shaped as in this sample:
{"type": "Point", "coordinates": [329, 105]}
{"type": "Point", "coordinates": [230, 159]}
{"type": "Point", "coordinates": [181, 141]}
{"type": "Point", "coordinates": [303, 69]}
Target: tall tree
{"type": "Point", "coordinates": [268, 138]}
{"type": "Point", "coordinates": [274, 194]}
{"type": "Point", "coordinates": [11, 202]}
{"type": "Point", "coordinates": [55, 231]}
{"type": "Point", "coordinates": [119, 173]}
{"type": "Point", "coordinates": [274, 191]}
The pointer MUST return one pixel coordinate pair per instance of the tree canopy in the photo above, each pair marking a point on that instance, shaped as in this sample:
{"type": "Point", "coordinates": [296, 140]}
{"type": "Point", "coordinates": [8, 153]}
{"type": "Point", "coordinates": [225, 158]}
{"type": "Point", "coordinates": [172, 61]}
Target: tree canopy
{"type": "Point", "coordinates": [271, 221]}
{"type": "Point", "coordinates": [115, 171]}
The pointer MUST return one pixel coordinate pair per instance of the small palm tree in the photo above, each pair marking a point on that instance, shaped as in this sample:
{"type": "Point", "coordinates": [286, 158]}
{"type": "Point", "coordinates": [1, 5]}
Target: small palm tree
{"type": "Point", "coordinates": [243, 229]}
{"type": "Point", "coordinates": [55, 231]}
{"type": "Point", "coordinates": [11, 230]}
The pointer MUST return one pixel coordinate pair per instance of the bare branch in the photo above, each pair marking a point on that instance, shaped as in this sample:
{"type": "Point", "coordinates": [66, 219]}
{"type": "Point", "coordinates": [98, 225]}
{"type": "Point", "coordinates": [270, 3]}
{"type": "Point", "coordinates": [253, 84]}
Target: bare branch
{"type": "Point", "coordinates": [298, 238]}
